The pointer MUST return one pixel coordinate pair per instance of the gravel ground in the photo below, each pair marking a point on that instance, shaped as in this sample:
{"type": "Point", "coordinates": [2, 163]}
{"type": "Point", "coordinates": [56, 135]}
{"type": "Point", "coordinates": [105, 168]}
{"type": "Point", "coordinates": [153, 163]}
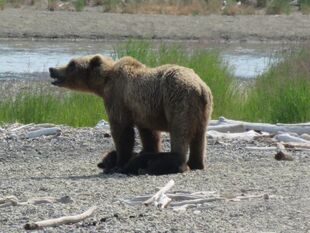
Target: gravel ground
{"type": "Point", "coordinates": [30, 23]}
{"type": "Point", "coordinates": [66, 165]}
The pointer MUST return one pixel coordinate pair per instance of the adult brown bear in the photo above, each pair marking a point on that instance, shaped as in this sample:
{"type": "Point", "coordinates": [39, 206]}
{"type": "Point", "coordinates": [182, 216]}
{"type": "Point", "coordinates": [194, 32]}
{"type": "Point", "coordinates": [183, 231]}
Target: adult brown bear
{"type": "Point", "coordinates": [166, 98]}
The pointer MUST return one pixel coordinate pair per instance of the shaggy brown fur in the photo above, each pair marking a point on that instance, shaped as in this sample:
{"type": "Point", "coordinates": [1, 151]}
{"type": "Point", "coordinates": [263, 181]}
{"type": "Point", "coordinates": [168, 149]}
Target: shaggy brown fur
{"type": "Point", "coordinates": [166, 98]}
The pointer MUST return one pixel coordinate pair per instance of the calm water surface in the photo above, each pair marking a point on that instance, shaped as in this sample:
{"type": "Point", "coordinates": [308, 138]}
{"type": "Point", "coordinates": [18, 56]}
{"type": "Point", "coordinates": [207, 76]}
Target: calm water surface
{"type": "Point", "coordinates": [28, 59]}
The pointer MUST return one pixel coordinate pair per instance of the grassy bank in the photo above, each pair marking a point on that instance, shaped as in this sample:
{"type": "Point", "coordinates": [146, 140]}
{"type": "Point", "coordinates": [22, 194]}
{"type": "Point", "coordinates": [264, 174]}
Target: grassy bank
{"type": "Point", "coordinates": [280, 95]}
{"type": "Point", "coordinates": [36, 106]}
{"type": "Point", "coordinates": [283, 93]}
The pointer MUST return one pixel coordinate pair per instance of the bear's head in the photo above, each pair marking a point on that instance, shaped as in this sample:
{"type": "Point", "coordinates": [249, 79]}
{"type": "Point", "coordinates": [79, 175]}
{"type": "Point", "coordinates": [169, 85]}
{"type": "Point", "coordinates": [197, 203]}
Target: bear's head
{"type": "Point", "coordinates": [84, 73]}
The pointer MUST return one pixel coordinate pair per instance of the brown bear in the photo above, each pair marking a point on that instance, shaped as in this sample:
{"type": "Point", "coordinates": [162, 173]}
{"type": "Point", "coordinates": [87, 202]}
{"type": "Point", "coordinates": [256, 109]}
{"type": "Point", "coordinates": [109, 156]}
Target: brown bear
{"type": "Point", "coordinates": [167, 98]}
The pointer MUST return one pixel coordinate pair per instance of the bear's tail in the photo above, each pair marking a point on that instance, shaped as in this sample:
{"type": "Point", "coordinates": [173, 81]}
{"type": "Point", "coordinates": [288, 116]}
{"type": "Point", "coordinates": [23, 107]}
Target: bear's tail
{"type": "Point", "coordinates": [207, 99]}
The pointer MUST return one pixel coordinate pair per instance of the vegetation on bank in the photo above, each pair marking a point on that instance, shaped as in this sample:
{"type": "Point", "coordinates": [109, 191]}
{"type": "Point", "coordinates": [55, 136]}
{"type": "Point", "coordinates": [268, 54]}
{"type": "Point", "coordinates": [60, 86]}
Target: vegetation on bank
{"type": "Point", "coordinates": [282, 94]}
{"type": "Point", "coordinates": [172, 7]}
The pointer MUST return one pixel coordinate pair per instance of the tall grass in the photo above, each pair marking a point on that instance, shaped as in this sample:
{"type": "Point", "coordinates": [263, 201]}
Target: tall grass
{"type": "Point", "coordinates": [282, 94]}
{"type": "Point", "coordinates": [305, 6]}
{"type": "Point", "coordinates": [2, 3]}
{"type": "Point", "coordinates": [79, 5]}
{"type": "Point", "coordinates": [73, 109]}
{"type": "Point", "coordinates": [275, 7]}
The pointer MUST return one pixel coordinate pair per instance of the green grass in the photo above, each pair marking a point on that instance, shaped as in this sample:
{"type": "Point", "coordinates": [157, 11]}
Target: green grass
{"type": "Point", "coordinates": [305, 6]}
{"type": "Point", "coordinates": [79, 5]}
{"type": "Point", "coordinates": [2, 3]}
{"type": "Point", "coordinates": [282, 94]}
{"type": "Point", "coordinates": [275, 7]}
{"type": "Point", "coordinates": [71, 108]}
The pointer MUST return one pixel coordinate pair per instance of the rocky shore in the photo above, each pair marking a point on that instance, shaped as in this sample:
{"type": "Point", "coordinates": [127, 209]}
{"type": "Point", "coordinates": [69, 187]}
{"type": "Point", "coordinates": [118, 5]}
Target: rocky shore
{"type": "Point", "coordinates": [42, 24]}
{"type": "Point", "coordinates": [65, 165]}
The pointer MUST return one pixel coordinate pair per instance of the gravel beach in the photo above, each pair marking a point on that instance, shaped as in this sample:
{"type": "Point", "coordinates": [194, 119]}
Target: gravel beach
{"type": "Point", "coordinates": [40, 24]}
{"type": "Point", "coordinates": [65, 165]}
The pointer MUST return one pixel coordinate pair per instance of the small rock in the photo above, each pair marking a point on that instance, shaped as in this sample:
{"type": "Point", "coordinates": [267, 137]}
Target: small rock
{"type": "Point", "coordinates": [283, 156]}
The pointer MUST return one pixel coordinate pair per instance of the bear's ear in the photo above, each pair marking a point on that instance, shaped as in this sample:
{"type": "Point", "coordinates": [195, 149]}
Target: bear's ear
{"type": "Point", "coordinates": [96, 61]}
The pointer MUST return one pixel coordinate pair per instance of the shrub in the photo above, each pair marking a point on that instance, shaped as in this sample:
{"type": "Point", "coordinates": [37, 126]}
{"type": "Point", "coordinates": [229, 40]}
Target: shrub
{"type": "Point", "coordinates": [2, 3]}
{"type": "Point", "coordinates": [79, 5]}
{"type": "Point", "coordinates": [305, 6]}
{"type": "Point", "coordinates": [282, 93]}
{"type": "Point", "coordinates": [275, 7]}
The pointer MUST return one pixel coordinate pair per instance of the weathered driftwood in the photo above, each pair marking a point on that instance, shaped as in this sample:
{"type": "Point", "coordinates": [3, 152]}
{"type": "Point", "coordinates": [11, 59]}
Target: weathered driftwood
{"type": "Point", "coordinates": [263, 127]}
{"type": "Point", "coordinates": [263, 148]}
{"type": "Point", "coordinates": [196, 201]}
{"type": "Point", "coordinates": [158, 195]}
{"type": "Point", "coordinates": [8, 201]}
{"type": "Point", "coordinates": [247, 136]}
{"type": "Point", "coordinates": [274, 148]}
{"type": "Point", "coordinates": [61, 220]}
{"type": "Point", "coordinates": [44, 131]}
{"type": "Point", "coordinates": [180, 201]}
{"type": "Point", "coordinates": [13, 201]}
{"type": "Point", "coordinates": [248, 197]}
{"type": "Point", "coordinates": [227, 128]}
{"type": "Point", "coordinates": [282, 153]}
{"type": "Point", "coordinates": [21, 127]}
{"type": "Point", "coordinates": [305, 136]}
{"type": "Point", "coordinates": [296, 145]}
{"type": "Point", "coordinates": [163, 201]}
{"type": "Point", "coordinates": [286, 137]}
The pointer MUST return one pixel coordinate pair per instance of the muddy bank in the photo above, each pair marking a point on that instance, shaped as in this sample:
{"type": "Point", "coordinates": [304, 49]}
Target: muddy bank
{"type": "Point", "coordinates": [27, 23]}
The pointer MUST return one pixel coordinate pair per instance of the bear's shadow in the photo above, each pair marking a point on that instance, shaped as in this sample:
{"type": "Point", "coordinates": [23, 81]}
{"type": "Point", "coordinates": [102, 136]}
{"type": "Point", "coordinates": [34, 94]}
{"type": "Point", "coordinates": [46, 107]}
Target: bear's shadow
{"type": "Point", "coordinates": [83, 177]}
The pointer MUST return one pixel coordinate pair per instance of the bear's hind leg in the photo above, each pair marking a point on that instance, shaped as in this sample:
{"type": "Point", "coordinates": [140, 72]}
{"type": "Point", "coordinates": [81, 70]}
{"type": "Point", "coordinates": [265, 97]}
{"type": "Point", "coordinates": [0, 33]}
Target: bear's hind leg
{"type": "Point", "coordinates": [169, 162]}
{"type": "Point", "coordinates": [197, 150]}
{"type": "Point", "coordinates": [151, 145]}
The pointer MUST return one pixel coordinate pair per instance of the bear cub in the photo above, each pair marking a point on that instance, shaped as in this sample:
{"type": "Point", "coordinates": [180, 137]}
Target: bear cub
{"type": "Point", "coordinates": [167, 98]}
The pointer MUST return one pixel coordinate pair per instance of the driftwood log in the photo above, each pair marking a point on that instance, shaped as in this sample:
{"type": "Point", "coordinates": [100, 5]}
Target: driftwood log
{"type": "Point", "coordinates": [224, 124]}
{"type": "Point", "coordinates": [43, 132]}
{"type": "Point", "coordinates": [160, 199]}
{"type": "Point", "coordinates": [247, 136]}
{"type": "Point", "coordinates": [180, 201]}
{"type": "Point", "coordinates": [282, 153]}
{"type": "Point", "coordinates": [61, 220]}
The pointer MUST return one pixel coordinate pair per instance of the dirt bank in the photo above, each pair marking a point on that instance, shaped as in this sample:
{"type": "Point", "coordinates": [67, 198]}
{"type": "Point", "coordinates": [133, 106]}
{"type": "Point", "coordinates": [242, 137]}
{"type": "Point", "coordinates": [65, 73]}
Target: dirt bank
{"type": "Point", "coordinates": [26, 23]}
{"type": "Point", "coordinates": [65, 165]}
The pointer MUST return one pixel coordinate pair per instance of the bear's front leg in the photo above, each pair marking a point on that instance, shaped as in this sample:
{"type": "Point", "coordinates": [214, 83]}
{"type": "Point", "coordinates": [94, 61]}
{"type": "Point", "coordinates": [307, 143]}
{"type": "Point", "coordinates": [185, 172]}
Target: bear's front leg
{"type": "Point", "coordinates": [124, 138]}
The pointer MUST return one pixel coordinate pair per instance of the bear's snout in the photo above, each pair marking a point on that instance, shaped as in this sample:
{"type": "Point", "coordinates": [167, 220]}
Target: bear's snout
{"type": "Point", "coordinates": [55, 74]}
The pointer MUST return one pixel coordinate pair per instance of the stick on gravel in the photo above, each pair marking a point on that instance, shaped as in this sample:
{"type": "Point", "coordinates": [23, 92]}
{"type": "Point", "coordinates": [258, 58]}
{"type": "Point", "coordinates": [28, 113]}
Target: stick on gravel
{"type": "Point", "coordinates": [61, 220]}
{"type": "Point", "coordinates": [157, 195]}
{"type": "Point", "coordinates": [282, 153]}
{"type": "Point", "coordinates": [13, 201]}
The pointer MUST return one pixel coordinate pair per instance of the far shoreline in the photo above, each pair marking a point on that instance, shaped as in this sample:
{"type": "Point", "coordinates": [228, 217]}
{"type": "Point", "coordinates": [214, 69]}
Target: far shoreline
{"type": "Point", "coordinates": [35, 25]}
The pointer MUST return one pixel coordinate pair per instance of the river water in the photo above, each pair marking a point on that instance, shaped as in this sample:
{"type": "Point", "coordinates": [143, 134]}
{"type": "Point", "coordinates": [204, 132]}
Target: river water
{"type": "Point", "coordinates": [24, 59]}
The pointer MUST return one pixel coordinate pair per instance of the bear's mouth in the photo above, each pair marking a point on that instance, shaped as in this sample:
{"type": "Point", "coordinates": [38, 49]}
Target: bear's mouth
{"type": "Point", "coordinates": [54, 74]}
